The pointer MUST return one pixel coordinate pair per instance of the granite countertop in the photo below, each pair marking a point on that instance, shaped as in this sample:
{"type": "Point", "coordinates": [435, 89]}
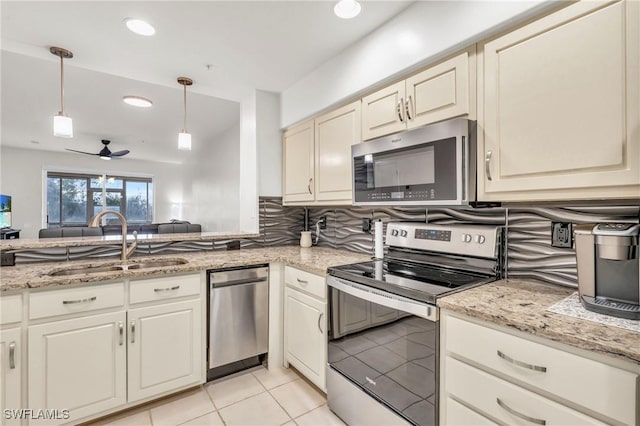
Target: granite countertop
{"type": "Point", "coordinates": [522, 305]}
{"type": "Point", "coordinates": [314, 259]}
{"type": "Point", "coordinates": [38, 243]}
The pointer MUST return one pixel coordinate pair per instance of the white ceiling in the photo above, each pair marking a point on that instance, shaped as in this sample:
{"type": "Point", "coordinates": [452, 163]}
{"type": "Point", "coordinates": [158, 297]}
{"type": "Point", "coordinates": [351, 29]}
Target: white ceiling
{"type": "Point", "coordinates": [227, 48]}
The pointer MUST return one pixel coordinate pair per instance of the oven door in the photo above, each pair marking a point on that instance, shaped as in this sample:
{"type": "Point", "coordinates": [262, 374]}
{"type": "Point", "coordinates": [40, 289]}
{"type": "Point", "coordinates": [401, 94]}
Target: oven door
{"type": "Point", "coordinates": [383, 354]}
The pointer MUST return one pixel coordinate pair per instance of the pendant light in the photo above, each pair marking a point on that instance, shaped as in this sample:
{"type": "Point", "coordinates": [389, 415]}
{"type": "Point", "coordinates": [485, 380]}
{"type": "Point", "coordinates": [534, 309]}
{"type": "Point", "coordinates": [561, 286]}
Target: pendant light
{"type": "Point", "coordinates": [62, 124]}
{"type": "Point", "coordinates": [184, 138]}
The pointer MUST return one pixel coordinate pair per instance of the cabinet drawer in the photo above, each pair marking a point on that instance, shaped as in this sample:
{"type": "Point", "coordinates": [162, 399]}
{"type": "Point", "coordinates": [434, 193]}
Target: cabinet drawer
{"type": "Point", "coordinates": [71, 300]}
{"type": "Point", "coordinates": [460, 415]}
{"type": "Point", "coordinates": [583, 381]}
{"type": "Point", "coordinates": [306, 282]}
{"type": "Point", "coordinates": [10, 309]}
{"type": "Point", "coordinates": [504, 401]}
{"type": "Point", "coordinates": [164, 288]}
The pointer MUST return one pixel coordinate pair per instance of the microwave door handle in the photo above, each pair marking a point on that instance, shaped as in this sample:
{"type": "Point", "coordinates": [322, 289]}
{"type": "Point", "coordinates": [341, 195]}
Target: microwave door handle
{"type": "Point", "coordinates": [399, 109]}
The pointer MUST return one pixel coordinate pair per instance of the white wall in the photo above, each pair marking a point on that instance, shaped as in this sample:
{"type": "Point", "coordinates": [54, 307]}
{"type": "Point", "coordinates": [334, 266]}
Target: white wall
{"type": "Point", "coordinates": [186, 191]}
{"type": "Point", "coordinates": [269, 144]}
{"type": "Point", "coordinates": [422, 33]}
{"type": "Point", "coordinates": [215, 201]}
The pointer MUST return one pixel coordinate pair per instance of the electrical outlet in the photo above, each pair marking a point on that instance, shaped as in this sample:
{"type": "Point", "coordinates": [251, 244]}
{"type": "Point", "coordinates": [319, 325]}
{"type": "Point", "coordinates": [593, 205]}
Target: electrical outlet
{"type": "Point", "coordinates": [562, 234]}
{"type": "Point", "coordinates": [366, 224]}
{"type": "Point", "coordinates": [323, 222]}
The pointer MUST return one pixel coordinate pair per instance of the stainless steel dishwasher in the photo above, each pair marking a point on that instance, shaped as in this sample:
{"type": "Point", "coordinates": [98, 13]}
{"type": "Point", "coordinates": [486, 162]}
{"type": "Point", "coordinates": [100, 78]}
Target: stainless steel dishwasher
{"type": "Point", "coordinates": [238, 319]}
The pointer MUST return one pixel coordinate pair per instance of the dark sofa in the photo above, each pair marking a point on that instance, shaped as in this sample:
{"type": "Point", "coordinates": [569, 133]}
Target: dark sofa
{"type": "Point", "coordinates": [150, 228]}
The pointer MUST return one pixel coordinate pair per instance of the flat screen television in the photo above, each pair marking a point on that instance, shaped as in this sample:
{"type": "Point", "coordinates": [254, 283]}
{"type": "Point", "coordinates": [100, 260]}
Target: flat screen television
{"type": "Point", "coordinates": [5, 211]}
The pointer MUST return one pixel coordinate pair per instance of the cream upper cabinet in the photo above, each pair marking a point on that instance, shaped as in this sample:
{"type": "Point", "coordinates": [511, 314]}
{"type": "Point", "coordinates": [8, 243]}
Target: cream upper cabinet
{"type": "Point", "coordinates": [298, 151]}
{"type": "Point", "coordinates": [335, 132]}
{"type": "Point", "coordinates": [442, 91]}
{"type": "Point", "coordinates": [317, 158]}
{"type": "Point", "coordinates": [558, 106]}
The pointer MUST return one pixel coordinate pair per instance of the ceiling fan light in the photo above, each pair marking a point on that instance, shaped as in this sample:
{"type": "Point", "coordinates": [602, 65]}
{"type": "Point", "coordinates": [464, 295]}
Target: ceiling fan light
{"type": "Point", "coordinates": [137, 101]}
{"type": "Point", "coordinates": [102, 157]}
{"type": "Point", "coordinates": [184, 141]}
{"type": "Point", "coordinates": [347, 9]}
{"type": "Point", "coordinates": [62, 126]}
{"type": "Point", "coordinates": [140, 27]}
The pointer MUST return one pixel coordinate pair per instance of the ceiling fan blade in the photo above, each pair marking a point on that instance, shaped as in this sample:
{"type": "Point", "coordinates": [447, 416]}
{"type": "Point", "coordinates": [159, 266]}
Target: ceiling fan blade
{"type": "Point", "coordinates": [120, 153]}
{"type": "Point", "coordinates": [81, 152]}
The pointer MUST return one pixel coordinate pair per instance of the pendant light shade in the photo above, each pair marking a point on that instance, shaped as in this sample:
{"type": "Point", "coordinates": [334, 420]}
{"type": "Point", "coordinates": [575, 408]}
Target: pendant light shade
{"type": "Point", "coordinates": [62, 123]}
{"type": "Point", "coordinates": [184, 137]}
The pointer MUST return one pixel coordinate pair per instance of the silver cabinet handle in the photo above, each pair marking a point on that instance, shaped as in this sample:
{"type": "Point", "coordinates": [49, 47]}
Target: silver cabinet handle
{"type": "Point", "coordinates": [399, 109]}
{"type": "Point", "coordinates": [304, 282]}
{"type": "Point", "coordinates": [133, 331]}
{"type": "Point", "coordinates": [510, 410]}
{"type": "Point", "coordinates": [487, 165]}
{"type": "Point", "coordinates": [309, 185]}
{"type": "Point", "coordinates": [521, 364]}
{"type": "Point", "coordinates": [158, 290]}
{"type": "Point", "coordinates": [320, 319]}
{"type": "Point", "coordinates": [121, 332]}
{"type": "Point", "coordinates": [71, 302]}
{"type": "Point", "coordinates": [12, 355]}
{"type": "Point", "coordinates": [407, 106]}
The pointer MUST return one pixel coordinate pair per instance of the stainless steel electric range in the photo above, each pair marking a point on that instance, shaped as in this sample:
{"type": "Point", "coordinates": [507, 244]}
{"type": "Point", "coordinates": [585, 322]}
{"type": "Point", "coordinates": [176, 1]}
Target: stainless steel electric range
{"type": "Point", "coordinates": [383, 320]}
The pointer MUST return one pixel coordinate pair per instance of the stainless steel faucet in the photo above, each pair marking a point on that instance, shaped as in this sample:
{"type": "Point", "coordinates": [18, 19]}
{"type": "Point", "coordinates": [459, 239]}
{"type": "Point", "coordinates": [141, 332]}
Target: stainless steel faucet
{"type": "Point", "coordinates": [126, 251]}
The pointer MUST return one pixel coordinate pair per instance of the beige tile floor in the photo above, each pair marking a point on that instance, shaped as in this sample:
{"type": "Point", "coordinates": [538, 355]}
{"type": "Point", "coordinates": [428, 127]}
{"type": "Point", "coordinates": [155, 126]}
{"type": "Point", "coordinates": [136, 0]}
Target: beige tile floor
{"type": "Point", "coordinates": [257, 397]}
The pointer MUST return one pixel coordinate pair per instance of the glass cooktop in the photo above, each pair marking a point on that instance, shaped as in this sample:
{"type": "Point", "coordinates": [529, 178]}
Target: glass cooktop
{"type": "Point", "coordinates": [424, 283]}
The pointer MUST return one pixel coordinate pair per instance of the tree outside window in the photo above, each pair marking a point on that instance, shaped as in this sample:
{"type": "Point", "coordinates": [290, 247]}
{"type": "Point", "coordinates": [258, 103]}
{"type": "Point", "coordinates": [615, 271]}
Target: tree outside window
{"type": "Point", "coordinates": [72, 199]}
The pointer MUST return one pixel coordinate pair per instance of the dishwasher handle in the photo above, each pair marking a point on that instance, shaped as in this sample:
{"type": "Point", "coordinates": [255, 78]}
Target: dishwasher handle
{"type": "Point", "coordinates": [239, 282]}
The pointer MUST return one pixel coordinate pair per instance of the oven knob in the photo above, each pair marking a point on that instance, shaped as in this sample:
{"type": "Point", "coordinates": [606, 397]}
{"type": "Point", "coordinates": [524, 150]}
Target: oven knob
{"type": "Point", "coordinates": [394, 232]}
{"type": "Point", "coordinates": [404, 233]}
{"type": "Point", "coordinates": [466, 238]}
{"type": "Point", "coordinates": [479, 239]}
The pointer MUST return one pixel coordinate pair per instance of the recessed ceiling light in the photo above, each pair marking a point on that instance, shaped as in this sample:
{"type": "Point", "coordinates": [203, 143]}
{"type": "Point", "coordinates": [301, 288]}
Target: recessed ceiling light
{"type": "Point", "coordinates": [347, 9]}
{"type": "Point", "coordinates": [140, 27]}
{"type": "Point", "coordinates": [137, 101]}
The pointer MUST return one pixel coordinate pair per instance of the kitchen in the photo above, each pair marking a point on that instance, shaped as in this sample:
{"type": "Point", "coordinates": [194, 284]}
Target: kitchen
{"type": "Point", "coordinates": [285, 174]}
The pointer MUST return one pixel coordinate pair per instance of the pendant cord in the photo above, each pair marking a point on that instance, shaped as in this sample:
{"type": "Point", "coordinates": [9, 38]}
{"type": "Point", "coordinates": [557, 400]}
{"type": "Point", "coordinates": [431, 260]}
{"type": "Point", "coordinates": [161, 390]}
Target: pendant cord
{"type": "Point", "coordinates": [61, 85]}
{"type": "Point", "coordinates": [184, 126]}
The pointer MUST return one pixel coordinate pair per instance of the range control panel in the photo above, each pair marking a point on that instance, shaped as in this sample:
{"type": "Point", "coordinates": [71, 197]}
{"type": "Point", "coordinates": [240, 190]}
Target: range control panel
{"type": "Point", "coordinates": [469, 240]}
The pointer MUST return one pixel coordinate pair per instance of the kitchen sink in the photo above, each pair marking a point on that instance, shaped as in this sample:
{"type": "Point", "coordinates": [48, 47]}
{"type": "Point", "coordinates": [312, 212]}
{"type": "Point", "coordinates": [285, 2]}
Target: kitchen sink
{"type": "Point", "coordinates": [156, 264]}
{"type": "Point", "coordinates": [86, 270]}
{"type": "Point", "coordinates": [117, 268]}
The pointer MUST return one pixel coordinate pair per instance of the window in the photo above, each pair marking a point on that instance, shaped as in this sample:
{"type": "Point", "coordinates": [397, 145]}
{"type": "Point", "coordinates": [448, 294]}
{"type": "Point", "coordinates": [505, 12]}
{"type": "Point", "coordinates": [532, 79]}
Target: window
{"type": "Point", "coordinates": [73, 199]}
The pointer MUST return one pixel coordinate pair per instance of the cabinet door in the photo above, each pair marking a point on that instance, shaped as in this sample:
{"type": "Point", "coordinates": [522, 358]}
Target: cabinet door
{"type": "Point", "coordinates": [440, 92]}
{"type": "Point", "coordinates": [298, 152]}
{"type": "Point", "coordinates": [335, 133]}
{"type": "Point", "coordinates": [383, 112]}
{"type": "Point", "coordinates": [382, 314]}
{"type": "Point", "coordinates": [305, 335]}
{"type": "Point", "coordinates": [11, 374]}
{"type": "Point", "coordinates": [560, 107]}
{"type": "Point", "coordinates": [354, 312]}
{"type": "Point", "coordinates": [165, 348]}
{"type": "Point", "coordinates": [79, 365]}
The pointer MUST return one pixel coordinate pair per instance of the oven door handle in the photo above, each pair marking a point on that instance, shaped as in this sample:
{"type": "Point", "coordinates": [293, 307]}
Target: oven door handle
{"type": "Point", "coordinates": [380, 297]}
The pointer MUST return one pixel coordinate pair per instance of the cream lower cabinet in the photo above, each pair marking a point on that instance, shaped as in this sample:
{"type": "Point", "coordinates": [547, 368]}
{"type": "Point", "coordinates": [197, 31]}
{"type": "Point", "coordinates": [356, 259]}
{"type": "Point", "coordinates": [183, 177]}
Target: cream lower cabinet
{"type": "Point", "coordinates": [442, 91]}
{"type": "Point", "coordinates": [559, 106]}
{"type": "Point", "coordinates": [101, 361]}
{"type": "Point", "coordinates": [78, 365]}
{"type": "Point", "coordinates": [305, 325]}
{"type": "Point", "coordinates": [492, 375]}
{"type": "Point", "coordinates": [11, 349]}
{"type": "Point", "coordinates": [165, 350]}
{"type": "Point", "coordinates": [317, 158]}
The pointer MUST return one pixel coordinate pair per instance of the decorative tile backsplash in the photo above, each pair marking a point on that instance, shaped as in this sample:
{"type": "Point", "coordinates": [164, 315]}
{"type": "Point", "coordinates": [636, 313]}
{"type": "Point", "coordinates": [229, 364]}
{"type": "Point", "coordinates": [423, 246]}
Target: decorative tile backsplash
{"type": "Point", "coordinates": [529, 250]}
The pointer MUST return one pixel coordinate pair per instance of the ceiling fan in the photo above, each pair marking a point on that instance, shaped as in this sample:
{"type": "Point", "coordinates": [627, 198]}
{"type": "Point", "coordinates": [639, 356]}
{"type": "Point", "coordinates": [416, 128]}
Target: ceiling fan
{"type": "Point", "coordinates": [105, 153]}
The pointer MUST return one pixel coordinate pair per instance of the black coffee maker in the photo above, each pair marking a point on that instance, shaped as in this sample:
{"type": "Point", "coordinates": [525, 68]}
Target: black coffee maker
{"type": "Point", "coordinates": [608, 268]}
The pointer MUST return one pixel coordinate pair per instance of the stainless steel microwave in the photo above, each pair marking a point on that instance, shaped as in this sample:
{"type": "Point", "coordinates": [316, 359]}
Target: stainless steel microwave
{"type": "Point", "coordinates": [433, 165]}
